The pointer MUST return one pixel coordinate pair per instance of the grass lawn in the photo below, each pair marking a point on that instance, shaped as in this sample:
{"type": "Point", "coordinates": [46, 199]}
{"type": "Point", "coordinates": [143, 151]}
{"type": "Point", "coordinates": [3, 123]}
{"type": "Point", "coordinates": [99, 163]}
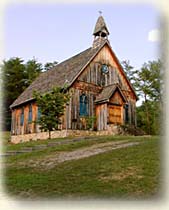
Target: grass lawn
{"type": "Point", "coordinates": [132, 172]}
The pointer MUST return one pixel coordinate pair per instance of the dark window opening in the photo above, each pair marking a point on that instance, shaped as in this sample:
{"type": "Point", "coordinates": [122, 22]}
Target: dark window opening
{"type": "Point", "coordinates": [126, 113]}
{"type": "Point", "coordinates": [22, 117]}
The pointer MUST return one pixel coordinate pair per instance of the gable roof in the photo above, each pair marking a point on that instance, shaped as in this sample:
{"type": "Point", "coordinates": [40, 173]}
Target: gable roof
{"type": "Point", "coordinates": [122, 70]}
{"type": "Point", "coordinates": [108, 92]}
{"type": "Point", "coordinates": [63, 73]}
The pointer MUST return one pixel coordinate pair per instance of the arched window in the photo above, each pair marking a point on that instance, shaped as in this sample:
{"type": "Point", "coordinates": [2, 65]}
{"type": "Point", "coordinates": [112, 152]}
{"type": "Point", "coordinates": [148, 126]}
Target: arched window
{"type": "Point", "coordinates": [30, 113]}
{"type": "Point", "coordinates": [83, 105]}
{"type": "Point", "coordinates": [22, 117]}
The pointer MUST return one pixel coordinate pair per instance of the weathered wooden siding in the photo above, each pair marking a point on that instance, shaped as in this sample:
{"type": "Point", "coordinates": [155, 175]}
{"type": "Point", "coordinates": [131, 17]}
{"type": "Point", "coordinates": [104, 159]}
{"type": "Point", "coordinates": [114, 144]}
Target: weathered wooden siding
{"type": "Point", "coordinates": [74, 120]}
{"type": "Point", "coordinates": [93, 74]}
{"type": "Point", "coordinates": [101, 113]}
{"type": "Point", "coordinates": [89, 82]}
{"type": "Point", "coordinates": [115, 114]}
{"type": "Point", "coordinates": [116, 99]}
{"type": "Point", "coordinates": [28, 126]}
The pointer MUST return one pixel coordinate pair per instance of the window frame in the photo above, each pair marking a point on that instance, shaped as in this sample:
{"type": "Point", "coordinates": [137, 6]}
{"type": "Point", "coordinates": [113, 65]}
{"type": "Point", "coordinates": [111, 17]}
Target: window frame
{"type": "Point", "coordinates": [83, 103]}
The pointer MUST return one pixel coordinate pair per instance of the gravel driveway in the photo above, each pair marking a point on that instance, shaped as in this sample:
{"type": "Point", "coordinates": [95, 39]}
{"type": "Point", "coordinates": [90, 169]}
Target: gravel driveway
{"type": "Point", "coordinates": [50, 161]}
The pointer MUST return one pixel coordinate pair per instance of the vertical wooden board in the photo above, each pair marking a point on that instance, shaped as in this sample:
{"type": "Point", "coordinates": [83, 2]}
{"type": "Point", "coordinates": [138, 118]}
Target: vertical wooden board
{"type": "Point", "coordinates": [69, 114]}
{"type": "Point", "coordinates": [73, 107]}
{"type": "Point", "coordinates": [129, 111]}
{"type": "Point", "coordinates": [91, 72]}
{"type": "Point", "coordinates": [13, 123]}
{"type": "Point", "coordinates": [106, 83]}
{"type": "Point", "coordinates": [96, 71]}
{"type": "Point", "coordinates": [25, 124]}
{"type": "Point", "coordinates": [78, 109]}
{"type": "Point", "coordinates": [115, 114]}
{"type": "Point", "coordinates": [34, 115]}
{"type": "Point", "coordinates": [97, 117]}
{"type": "Point", "coordinates": [16, 122]}
{"type": "Point", "coordinates": [101, 118]}
{"type": "Point", "coordinates": [105, 116]}
{"type": "Point", "coordinates": [94, 74]}
{"type": "Point", "coordinates": [109, 82]}
{"type": "Point", "coordinates": [67, 117]}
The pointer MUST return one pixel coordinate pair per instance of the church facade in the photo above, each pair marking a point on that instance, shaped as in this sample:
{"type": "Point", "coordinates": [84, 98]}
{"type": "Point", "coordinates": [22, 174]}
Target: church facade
{"type": "Point", "coordinates": [101, 94]}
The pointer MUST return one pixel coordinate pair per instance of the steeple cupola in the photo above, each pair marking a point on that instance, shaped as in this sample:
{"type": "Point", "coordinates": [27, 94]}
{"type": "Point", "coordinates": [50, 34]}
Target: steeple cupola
{"type": "Point", "coordinates": [100, 31]}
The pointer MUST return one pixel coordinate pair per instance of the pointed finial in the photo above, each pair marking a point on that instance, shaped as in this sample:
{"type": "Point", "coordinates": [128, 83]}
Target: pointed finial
{"type": "Point", "coordinates": [100, 12]}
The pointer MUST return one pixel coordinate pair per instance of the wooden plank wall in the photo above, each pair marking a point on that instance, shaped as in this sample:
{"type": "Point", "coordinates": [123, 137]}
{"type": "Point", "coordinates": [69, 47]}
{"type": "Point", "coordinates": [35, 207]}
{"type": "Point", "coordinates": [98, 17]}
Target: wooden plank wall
{"type": "Point", "coordinates": [115, 114]}
{"type": "Point", "coordinates": [76, 121]}
{"type": "Point", "coordinates": [101, 113]}
{"type": "Point", "coordinates": [93, 75]}
{"type": "Point", "coordinates": [27, 127]}
{"type": "Point", "coordinates": [90, 81]}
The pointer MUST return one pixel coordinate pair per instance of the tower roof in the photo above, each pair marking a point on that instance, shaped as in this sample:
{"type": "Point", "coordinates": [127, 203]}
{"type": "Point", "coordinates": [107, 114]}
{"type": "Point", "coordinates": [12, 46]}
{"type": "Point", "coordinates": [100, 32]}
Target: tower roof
{"type": "Point", "coordinates": [100, 27]}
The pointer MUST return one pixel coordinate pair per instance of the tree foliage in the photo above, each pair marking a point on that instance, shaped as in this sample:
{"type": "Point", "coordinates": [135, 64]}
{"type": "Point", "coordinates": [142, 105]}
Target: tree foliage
{"type": "Point", "coordinates": [50, 65]}
{"type": "Point", "coordinates": [32, 70]}
{"type": "Point", "coordinates": [17, 76]}
{"type": "Point", "coordinates": [148, 84]}
{"type": "Point", "coordinates": [52, 105]}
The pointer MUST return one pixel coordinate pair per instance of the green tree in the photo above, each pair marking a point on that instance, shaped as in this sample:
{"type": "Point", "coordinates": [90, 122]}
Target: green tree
{"type": "Point", "coordinates": [149, 84]}
{"type": "Point", "coordinates": [32, 70]}
{"type": "Point", "coordinates": [50, 65]}
{"type": "Point", "coordinates": [154, 117]}
{"type": "Point", "coordinates": [17, 76]}
{"type": "Point", "coordinates": [52, 105]}
{"type": "Point", "coordinates": [129, 71]}
{"type": "Point", "coordinates": [13, 73]}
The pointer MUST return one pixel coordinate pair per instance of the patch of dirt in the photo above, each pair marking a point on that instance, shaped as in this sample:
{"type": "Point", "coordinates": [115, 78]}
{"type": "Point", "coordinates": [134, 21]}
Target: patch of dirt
{"type": "Point", "coordinates": [128, 172]}
{"type": "Point", "coordinates": [50, 161]}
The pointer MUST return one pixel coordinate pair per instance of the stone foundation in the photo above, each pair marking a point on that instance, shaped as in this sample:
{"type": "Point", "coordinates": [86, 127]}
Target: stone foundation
{"type": "Point", "coordinates": [112, 130]}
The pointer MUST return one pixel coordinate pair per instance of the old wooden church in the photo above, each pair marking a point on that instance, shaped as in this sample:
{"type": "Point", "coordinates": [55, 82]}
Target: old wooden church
{"type": "Point", "coordinates": [99, 87]}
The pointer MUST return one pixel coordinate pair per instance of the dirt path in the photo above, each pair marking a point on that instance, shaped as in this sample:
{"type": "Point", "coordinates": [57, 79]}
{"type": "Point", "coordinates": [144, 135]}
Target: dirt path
{"type": "Point", "coordinates": [51, 161]}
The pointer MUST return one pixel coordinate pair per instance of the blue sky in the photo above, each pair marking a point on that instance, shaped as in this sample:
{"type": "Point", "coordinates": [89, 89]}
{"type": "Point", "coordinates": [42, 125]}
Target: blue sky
{"type": "Point", "coordinates": [51, 32]}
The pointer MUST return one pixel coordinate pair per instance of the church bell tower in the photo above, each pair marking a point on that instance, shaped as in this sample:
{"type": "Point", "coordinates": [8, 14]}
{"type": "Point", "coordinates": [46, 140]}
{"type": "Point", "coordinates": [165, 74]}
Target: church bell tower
{"type": "Point", "coordinates": [100, 32]}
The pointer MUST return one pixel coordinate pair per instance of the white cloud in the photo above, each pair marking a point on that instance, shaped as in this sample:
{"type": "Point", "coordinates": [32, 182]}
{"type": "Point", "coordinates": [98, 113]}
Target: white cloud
{"type": "Point", "coordinates": [153, 35]}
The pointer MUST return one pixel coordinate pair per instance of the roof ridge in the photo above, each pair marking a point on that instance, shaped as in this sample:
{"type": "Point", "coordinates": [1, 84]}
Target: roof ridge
{"type": "Point", "coordinates": [71, 57]}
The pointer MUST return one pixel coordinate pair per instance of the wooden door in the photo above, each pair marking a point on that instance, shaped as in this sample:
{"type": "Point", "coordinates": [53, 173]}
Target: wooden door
{"type": "Point", "coordinates": [115, 114]}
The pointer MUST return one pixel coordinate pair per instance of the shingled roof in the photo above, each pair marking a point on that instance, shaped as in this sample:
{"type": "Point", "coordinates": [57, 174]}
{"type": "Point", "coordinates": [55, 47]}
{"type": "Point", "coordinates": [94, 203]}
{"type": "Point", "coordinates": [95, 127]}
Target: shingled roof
{"type": "Point", "coordinates": [107, 92]}
{"type": "Point", "coordinates": [100, 26]}
{"type": "Point", "coordinates": [57, 76]}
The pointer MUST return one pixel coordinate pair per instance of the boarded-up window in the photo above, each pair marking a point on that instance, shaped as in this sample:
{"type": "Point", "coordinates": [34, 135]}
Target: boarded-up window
{"type": "Point", "coordinates": [83, 105]}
